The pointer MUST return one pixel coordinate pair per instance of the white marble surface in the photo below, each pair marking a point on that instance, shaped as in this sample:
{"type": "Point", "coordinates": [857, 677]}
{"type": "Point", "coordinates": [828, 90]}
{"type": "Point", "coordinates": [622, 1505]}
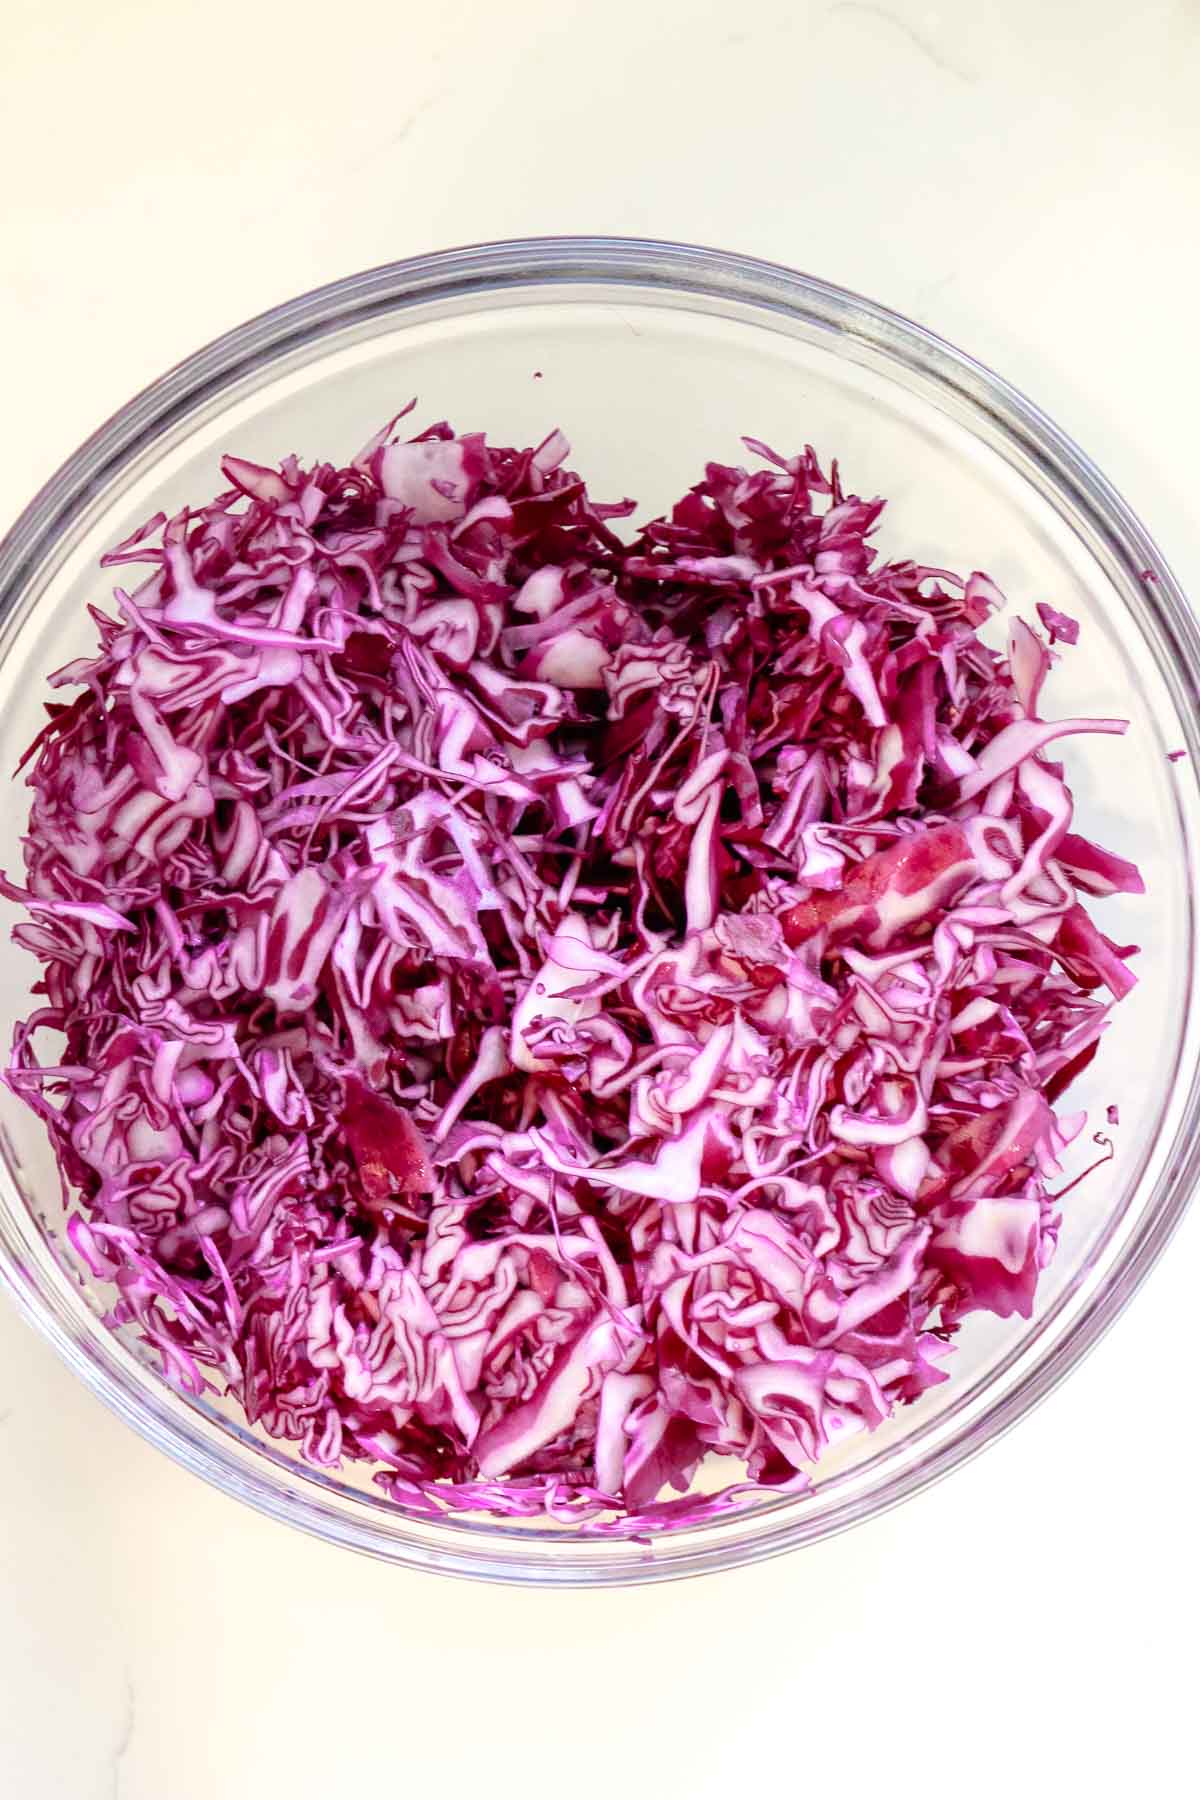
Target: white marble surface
{"type": "Point", "coordinates": [1023, 177]}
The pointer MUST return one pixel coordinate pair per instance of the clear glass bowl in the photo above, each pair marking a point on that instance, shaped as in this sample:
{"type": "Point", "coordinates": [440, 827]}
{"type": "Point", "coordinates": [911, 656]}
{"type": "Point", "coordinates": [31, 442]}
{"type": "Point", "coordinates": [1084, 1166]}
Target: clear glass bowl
{"type": "Point", "coordinates": [654, 357]}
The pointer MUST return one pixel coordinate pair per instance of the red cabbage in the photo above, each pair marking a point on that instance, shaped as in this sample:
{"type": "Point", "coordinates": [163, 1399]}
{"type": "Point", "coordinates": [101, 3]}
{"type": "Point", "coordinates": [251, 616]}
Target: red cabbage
{"type": "Point", "coordinates": [536, 1010]}
{"type": "Point", "coordinates": [1060, 627]}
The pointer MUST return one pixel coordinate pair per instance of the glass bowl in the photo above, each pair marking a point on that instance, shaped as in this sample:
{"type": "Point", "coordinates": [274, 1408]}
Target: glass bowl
{"type": "Point", "coordinates": [654, 357]}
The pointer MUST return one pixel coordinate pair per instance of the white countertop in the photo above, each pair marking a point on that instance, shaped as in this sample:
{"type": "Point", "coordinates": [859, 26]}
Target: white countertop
{"type": "Point", "coordinates": [1022, 177]}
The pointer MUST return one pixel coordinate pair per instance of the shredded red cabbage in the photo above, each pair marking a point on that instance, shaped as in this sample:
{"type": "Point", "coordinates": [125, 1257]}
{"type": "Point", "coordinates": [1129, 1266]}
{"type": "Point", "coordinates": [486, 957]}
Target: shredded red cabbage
{"type": "Point", "coordinates": [539, 1010]}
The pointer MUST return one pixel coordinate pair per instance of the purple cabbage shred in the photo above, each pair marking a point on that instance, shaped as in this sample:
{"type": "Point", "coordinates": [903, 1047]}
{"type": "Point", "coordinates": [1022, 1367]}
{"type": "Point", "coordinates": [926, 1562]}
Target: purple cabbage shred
{"type": "Point", "coordinates": [533, 1011]}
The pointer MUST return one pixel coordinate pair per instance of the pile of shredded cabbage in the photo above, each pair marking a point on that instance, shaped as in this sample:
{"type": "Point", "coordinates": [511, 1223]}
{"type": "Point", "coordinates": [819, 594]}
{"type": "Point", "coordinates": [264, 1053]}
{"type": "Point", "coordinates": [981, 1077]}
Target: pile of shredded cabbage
{"type": "Point", "coordinates": [536, 1010]}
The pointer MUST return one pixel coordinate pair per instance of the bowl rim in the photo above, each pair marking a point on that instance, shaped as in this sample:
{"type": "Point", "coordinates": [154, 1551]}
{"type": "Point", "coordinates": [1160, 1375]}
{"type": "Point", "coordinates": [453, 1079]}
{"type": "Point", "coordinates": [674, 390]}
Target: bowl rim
{"type": "Point", "coordinates": [728, 279]}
